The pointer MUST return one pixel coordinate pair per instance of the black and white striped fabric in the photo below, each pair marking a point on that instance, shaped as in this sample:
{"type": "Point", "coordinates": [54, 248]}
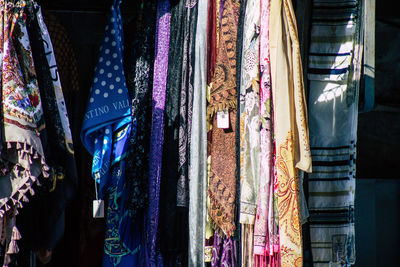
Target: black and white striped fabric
{"type": "Point", "coordinates": [333, 68]}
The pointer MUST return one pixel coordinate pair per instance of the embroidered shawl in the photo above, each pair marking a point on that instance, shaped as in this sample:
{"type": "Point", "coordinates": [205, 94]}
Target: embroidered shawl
{"type": "Point", "coordinates": [23, 161]}
{"type": "Point", "coordinates": [222, 184]}
{"type": "Point", "coordinates": [290, 127]}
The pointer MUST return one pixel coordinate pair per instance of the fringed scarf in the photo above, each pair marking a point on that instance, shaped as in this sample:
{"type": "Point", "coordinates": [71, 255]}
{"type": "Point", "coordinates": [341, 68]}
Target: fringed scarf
{"type": "Point", "coordinates": [249, 128]}
{"type": "Point", "coordinates": [222, 183]}
{"type": "Point", "coordinates": [42, 220]}
{"type": "Point", "coordinates": [22, 117]}
{"type": "Point", "coordinates": [264, 227]}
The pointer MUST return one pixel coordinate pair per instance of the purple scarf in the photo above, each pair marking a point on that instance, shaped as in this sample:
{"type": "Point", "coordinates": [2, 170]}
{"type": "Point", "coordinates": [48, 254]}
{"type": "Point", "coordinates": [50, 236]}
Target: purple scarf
{"type": "Point", "coordinates": [157, 130]}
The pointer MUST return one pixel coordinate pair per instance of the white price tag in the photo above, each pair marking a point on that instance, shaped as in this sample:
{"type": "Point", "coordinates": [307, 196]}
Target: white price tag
{"type": "Point", "coordinates": [223, 119]}
{"type": "Point", "coordinates": [98, 208]}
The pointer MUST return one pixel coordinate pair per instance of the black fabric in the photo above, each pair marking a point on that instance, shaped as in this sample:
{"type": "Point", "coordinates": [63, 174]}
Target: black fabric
{"type": "Point", "coordinates": [139, 73]}
{"type": "Point", "coordinates": [172, 239]}
{"type": "Point", "coordinates": [42, 221]}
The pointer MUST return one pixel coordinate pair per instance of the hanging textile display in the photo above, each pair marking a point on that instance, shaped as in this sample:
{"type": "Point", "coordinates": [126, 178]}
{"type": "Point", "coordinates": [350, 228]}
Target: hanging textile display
{"type": "Point", "coordinates": [290, 127]}
{"type": "Point", "coordinates": [157, 131]}
{"type": "Point", "coordinates": [105, 133]}
{"type": "Point", "coordinates": [198, 144]}
{"type": "Point", "coordinates": [249, 128]}
{"type": "Point", "coordinates": [334, 74]}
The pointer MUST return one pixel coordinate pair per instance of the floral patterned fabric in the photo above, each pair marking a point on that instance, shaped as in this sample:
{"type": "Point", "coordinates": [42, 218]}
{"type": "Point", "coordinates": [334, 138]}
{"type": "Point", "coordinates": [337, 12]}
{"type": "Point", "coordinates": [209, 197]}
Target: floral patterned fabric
{"type": "Point", "coordinates": [263, 227]}
{"type": "Point", "coordinates": [23, 161]}
{"type": "Point", "coordinates": [290, 128]}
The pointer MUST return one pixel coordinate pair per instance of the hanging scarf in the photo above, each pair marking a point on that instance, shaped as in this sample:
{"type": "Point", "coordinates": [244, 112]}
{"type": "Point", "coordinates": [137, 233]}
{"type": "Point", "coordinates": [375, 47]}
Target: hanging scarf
{"type": "Point", "coordinates": [22, 117]}
{"type": "Point", "coordinates": [250, 128]}
{"type": "Point", "coordinates": [140, 81]}
{"type": "Point", "coordinates": [45, 213]}
{"type": "Point", "coordinates": [263, 227]}
{"type": "Point", "coordinates": [198, 145]}
{"type": "Point", "coordinates": [334, 73]}
{"type": "Point", "coordinates": [157, 130]}
{"type": "Point", "coordinates": [105, 132]}
{"type": "Point", "coordinates": [23, 161]}
{"type": "Point", "coordinates": [173, 226]}
{"type": "Point", "coordinates": [290, 127]}
{"type": "Point", "coordinates": [222, 184]}
{"type": "Point", "coordinates": [186, 102]}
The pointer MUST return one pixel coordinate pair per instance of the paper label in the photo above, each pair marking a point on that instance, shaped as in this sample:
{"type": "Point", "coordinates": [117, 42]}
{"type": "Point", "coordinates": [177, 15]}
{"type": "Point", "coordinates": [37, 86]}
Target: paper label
{"type": "Point", "coordinates": [223, 119]}
{"type": "Point", "coordinates": [98, 208]}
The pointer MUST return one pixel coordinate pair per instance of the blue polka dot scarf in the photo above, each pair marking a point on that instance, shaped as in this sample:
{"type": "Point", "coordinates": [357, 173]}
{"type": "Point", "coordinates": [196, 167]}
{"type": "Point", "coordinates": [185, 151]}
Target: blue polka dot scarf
{"type": "Point", "coordinates": [109, 106]}
{"type": "Point", "coordinates": [106, 129]}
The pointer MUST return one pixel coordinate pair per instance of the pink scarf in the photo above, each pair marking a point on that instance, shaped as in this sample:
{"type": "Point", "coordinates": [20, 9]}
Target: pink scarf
{"type": "Point", "coordinates": [264, 251]}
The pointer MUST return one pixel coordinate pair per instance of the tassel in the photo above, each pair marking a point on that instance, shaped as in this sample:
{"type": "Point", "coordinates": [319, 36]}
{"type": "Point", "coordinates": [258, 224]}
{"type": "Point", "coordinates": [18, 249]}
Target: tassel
{"type": "Point", "coordinates": [9, 146]}
{"type": "Point", "coordinates": [7, 260]}
{"type": "Point", "coordinates": [25, 199]}
{"type": "Point", "coordinates": [38, 182]}
{"type": "Point", "coordinates": [30, 159]}
{"type": "Point", "coordinates": [45, 174]}
{"type": "Point", "coordinates": [35, 156]}
{"type": "Point", "coordinates": [31, 150]}
{"type": "Point", "coordinates": [7, 207]}
{"type": "Point", "coordinates": [31, 191]}
{"type": "Point", "coordinates": [25, 147]}
{"type": "Point", "coordinates": [19, 146]}
{"type": "Point", "coordinates": [13, 247]}
{"type": "Point", "coordinates": [16, 235]}
{"type": "Point", "coordinates": [19, 205]}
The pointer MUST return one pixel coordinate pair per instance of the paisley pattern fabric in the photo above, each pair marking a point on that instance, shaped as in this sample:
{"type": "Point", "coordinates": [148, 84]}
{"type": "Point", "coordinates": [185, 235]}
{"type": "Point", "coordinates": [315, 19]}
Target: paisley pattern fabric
{"type": "Point", "coordinates": [223, 90]}
{"type": "Point", "coordinates": [186, 102]}
{"type": "Point", "coordinates": [224, 251]}
{"type": "Point", "coordinates": [290, 127]}
{"type": "Point", "coordinates": [222, 183]}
